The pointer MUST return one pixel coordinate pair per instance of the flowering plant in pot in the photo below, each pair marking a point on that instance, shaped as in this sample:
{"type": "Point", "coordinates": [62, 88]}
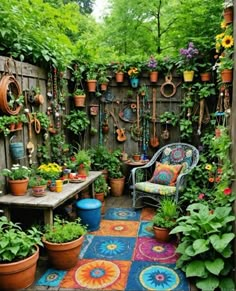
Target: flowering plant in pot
{"type": "Point", "coordinates": [18, 178]}
{"type": "Point", "coordinates": [63, 241]}
{"type": "Point", "coordinates": [17, 248]}
{"type": "Point", "coordinates": [38, 185]}
{"type": "Point", "coordinates": [83, 161]}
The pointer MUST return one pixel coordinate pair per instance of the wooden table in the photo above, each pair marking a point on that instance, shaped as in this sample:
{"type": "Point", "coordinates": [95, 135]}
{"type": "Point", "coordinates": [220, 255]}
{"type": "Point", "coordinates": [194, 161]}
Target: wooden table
{"type": "Point", "coordinates": [48, 202]}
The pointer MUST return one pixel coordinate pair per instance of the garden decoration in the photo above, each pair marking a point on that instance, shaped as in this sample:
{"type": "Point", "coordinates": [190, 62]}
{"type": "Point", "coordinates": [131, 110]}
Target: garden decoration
{"type": "Point", "coordinates": [121, 137]}
{"type": "Point", "coordinates": [169, 85]}
{"type": "Point", "coordinates": [133, 74]}
{"type": "Point", "coordinates": [128, 113]}
{"type": "Point", "coordinates": [154, 142]}
{"type": "Point", "coordinates": [16, 149]}
{"type": "Point", "coordinates": [10, 90]}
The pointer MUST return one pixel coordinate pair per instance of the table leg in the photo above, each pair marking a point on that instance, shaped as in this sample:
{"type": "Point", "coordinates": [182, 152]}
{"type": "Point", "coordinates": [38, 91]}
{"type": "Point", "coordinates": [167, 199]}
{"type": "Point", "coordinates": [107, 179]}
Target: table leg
{"type": "Point", "coordinates": [48, 216]}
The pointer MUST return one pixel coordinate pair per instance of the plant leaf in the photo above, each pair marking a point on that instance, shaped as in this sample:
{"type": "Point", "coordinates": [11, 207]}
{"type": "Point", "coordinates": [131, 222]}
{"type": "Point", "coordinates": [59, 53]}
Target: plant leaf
{"type": "Point", "coordinates": [220, 243]}
{"type": "Point", "coordinates": [200, 246]}
{"type": "Point", "coordinates": [227, 284]}
{"type": "Point", "coordinates": [209, 284]}
{"type": "Point", "coordinates": [215, 267]}
{"type": "Point", "coordinates": [196, 269]}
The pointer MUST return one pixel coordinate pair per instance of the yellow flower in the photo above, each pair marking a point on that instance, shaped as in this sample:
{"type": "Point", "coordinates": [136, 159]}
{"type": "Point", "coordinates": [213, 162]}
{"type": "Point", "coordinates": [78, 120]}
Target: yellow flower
{"type": "Point", "coordinates": [219, 36]}
{"type": "Point", "coordinates": [227, 41]}
{"type": "Point", "coordinates": [208, 167]}
{"type": "Point", "coordinates": [133, 72]}
{"type": "Point", "coordinates": [223, 25]}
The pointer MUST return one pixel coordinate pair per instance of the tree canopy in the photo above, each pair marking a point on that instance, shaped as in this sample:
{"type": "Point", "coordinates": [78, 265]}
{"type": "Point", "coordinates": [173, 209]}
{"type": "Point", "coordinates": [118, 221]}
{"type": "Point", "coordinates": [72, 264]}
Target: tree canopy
{"type": "Point", "coordinates": [59, 32]}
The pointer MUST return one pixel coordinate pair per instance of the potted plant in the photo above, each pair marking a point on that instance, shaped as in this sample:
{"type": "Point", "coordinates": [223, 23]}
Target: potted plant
{"type": "Point", "coordinates": [164, 219]}
{"type": "Point", "coordinates": [79, 97]}
{"type": "Point", "coordinates": [38, 185]}
{"type": "Point", "coordinates": [228, 11]}
{"type": "Point", "coordinates": [169, 118]}
{"type": "Point", "coordinates": [205, 71]}
{"type": "Point", "coordinates": [19, 253]}
{"type": "Point", "coordinates": [225, 66]}
{"type": "Point", "coordinates": [116, 177]}
{"type": "Point", "coordinates": [17, 178]}
{"type": "Point", "coordinates": [119, 69]}
{"type": "Point", "coordinates": [50, 172]}
{"type": "Point", "coordinates": [143, 90]}
{"type": "Point", "coordinates": [103, 78]}
{"type": "Point", "coordinates": [153, 68]}
{"type": "Point", "coordinates": [63, 241]}
{"type": "Point", "coordinates": [206, 246]}
{"type": "Point", "coordinates": [91, 75]}
{"type": "Point", "coordinates": [83, 162]}
{"type": "Point", "coordinates": [100, 188]}
{"type": "Point", "coordinates": [133, 74]}
{"type": "Point", "coordinates": [188, 61]}
{"type": "Point", "coordinates": [76, 121]}
{"type": "Point", "coordinates": [43, 119]}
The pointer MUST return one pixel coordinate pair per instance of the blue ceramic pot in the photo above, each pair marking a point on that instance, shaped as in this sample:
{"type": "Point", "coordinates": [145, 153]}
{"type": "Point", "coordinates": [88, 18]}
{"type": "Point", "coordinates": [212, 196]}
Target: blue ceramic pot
{"type": "Point", "coordinates": [134, 82]}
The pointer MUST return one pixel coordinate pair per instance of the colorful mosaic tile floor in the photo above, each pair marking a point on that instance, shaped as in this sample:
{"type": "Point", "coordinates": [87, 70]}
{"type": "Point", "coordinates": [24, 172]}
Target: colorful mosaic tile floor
{"type": "Point", "coordinates": [122, 255]}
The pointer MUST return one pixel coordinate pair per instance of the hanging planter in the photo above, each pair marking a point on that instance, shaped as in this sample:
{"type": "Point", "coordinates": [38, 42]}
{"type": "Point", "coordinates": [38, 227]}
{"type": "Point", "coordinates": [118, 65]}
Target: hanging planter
{"type": "Point", "coordinates": [188, 76]}
{"type": "Point", "coordinates": [205, 77]}
{"type": "Point", "coordinates": [154, 76]}
{"type": "Point", "coordinates": [119, 76]}
{"type": "Point", "coordinates": [92, 84]}
{"type": "Point", "coordinates": [227, 76]}
{"type": "Point", "coordinates": [79, 98]}
{"type": "Point", "coordinates": [134, 82]}
{"type": "Point", "coordinates": [104, 86]}
{"type": "Point", "coordinates": [228, 15]}
{"type": "Point", "coordinates": [16, 149]}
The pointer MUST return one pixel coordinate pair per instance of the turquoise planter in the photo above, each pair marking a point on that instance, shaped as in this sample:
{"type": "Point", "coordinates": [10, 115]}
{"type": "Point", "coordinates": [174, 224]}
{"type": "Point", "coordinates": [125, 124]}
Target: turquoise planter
{"type": "Point", "coordinates": [17, 150]}
{"type": "Point", "coordinates": [134, 82]}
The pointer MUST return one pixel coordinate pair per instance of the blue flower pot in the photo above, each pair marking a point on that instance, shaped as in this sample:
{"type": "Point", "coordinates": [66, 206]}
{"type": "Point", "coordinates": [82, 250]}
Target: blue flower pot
{"type": "Point", "coordinates": [134, 82]}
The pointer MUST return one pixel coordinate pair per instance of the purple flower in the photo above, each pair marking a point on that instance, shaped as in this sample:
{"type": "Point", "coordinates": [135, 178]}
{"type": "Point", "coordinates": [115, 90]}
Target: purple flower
{"type": "Point", "coordinates": [152, 64]}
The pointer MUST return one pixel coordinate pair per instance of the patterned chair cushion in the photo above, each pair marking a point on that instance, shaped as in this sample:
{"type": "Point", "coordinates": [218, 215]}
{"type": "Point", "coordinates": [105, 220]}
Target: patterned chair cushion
{"type": "Point", "coordinates": [155, 188]}
{"type": "Point", "coordinates": [177, 155]}
{"type": "Point", "coordinates": [165, 174]}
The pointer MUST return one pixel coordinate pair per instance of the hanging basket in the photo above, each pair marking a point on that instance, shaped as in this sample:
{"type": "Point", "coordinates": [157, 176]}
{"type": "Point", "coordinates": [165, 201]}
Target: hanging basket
{"type": "Point", "coordinates": [188, 76]}
{"type": "Point", "coordinates": [154, 76]}
{"type": "Point", "coordinates": [227, 76]}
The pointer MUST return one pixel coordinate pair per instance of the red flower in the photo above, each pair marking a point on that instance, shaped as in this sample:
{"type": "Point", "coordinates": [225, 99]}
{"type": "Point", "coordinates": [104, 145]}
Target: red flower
{"type": "Point", "coordinates": [211, 180]}
{"type": "Point", "coordinates": [72, 159]}
{"type": "Point", "coordinates": [217, 179]}
{"type": "Point", "coordinates": [227, 191]}
{"type": "Point", "coordinates": [219, 171]}
{"type": "Point", "coordinates": [201, 196]}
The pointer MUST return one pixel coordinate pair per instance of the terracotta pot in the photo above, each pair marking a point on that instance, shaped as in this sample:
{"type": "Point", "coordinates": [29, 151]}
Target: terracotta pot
{"type": "Point", "coordinates": [227, 76]}
{"type": "Point", "coordinates": [205, 77]}
{"type": "Point", "coordinates": [228, 15]}
{"type": "Point", "coordinates": [39, 191]}
{"type": "Point", "coordinates": [63, 256]}
{"type": "Point", "coordinates": [12, 126]}
{"type": "Point", "coordinates": [94, 109]}
{"type": "Point", "coordinates": [105, 128]}
{"type": "Point", "coordinates": [161, 234]}
{"type": "Point", "coordinates": [154, 76]}
{"type": "Point", "coordinates": [100, 196]}
{"type": "Point", "coordinates": [18, 187]}
{"type": "Point", "coordinates": [19, 125]}
{"type": "Point", "coordinates": [19, 275]}
{"type": "Point", "coordinates": [188, 76]}
{"type": "Point", "coordinates": [119, 77]}
{"type": "Point", "coordinates": [117, 186]}
{"type": "Point", "coordinates": [92, 84]}
{"type": "Point", "coordinates": [79, 100]}
{"type": "Point", "coordinates": [82, 172]}
{"type": "Point", "coordinates": [104, 86]}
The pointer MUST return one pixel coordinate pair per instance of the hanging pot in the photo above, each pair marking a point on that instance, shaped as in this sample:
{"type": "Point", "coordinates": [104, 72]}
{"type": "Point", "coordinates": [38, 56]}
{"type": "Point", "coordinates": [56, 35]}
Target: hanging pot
{"type": "Point", "coordinates": [94, 109]}
{"type": "Point", "coordinates": [153, 76]}
{"type": "Point", "coordinates": [16, 149]}
{"type": "Point", "coordinates": [227, 76]}
{"type": "Point", "coordinates": [119, 77]}
{"type": "Point", "coordinates": [79, 100]}
{"type": "Point", "coordinates": [188, 76]}
{"type": "Point", "coordinates": [134, 82]}
{"type": "Point", "coordinates": [92, 84]}
{"type": "Point", "coordinates": [205, 77]}
{"type": "Point", "coordinates": [228, 15]}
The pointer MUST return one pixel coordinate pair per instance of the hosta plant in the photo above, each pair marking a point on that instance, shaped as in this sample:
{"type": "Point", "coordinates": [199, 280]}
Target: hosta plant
{"type": "Point", "coordinates": [205, 246]}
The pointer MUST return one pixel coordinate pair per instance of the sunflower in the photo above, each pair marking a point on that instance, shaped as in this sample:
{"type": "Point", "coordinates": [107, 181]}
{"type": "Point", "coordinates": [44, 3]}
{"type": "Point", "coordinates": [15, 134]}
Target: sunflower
{"type": "Point", "coordinates": [227, 41]}
{"type": "Point", "coordinates": [223, 25]}
{"type": "Point", "coordinates": [208, 167]}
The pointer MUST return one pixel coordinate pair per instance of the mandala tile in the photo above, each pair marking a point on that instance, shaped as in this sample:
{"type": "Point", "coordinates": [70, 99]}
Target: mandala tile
{"type": "Point", "coordinates": [145, 229]}
{"type": "Point", "coordinates": [51, 278]}
{"type": "Point", "coordinates": [147, 213]}
{"type": "Point", "coordinates": [154, 276]}
{"type": "Point", "coordinates": [122, 214]}
{"type": "Point", "coordinates": [97, 275]}
{"type": "Point", "coordinates": [110, 248]}
{"type": "Point", "coordinates": [149, 249]}
{"type": "Point", "coordinates": [118, 228]}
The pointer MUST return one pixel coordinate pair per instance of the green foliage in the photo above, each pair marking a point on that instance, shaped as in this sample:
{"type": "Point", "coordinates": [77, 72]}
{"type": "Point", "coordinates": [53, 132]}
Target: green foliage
{"type": "Point", "coordinates": [17, 172]}
{"type": "Point", "coordinates": [100, 156]}
{"type": "Point", "coordinates": [44, 120]}
{"type": "Point", "coordinates": [169, 118]}
{"type": "Point", "coordinates": [37, 181]}
{"type": "Point", "coordinates": [64, 231]}
{"type": "Point", "coordinates": [82, 157]}
{"type": "Point", "coordinates": [76, 121]}
{"type": "Point", "coordinates": [100, 185]}
{"type": "Point", "coordinates": [205, 90]}
{"type": "Point", "coordinates": [114, 166]}
{"type": "Point", "coordinates": [16, 244]}
{"type": "Point", "coordinates": [205, 249]}
{"type": "Point", "coordinates": [166, 214]}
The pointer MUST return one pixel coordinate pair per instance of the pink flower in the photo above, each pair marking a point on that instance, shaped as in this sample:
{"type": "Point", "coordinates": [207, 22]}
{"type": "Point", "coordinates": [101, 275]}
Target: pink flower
{"type": "Point", "coordinates": [227, 191]}
{"type": "Point", "coordinates": [201, 196]}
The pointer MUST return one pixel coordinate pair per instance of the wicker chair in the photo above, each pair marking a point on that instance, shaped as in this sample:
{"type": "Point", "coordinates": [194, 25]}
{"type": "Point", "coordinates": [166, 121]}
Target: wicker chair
{"type": "Point", "coordinates": [176, 155]}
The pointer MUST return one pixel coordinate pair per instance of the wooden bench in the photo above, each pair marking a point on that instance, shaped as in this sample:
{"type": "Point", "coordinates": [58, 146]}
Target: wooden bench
{"type": "Point", "coordinates": [48, 202]}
